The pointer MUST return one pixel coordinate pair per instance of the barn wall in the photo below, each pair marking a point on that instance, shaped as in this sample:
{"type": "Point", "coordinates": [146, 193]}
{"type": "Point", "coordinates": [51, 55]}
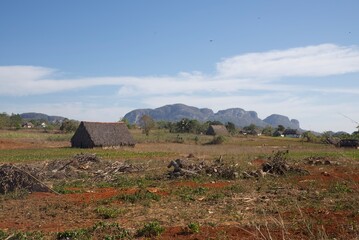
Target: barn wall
{"type": "Point", "coordinates": [81, 138]}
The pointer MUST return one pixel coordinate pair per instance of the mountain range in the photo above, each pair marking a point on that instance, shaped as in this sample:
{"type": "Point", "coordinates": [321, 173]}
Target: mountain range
{"type": "Point", "coordinates": [41, 116]}
{"type": "Point", "coordinates": [238, 116]}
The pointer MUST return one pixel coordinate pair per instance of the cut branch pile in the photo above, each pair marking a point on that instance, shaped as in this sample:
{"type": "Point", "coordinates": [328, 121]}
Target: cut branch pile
{"type": "Point", "coordinates": [13, 178]}
{"type": "Point", "coordinates": [31, 177]}
{"type": "Point", "coordinates": [88, 165]}
{"type": "Point", "coordinates": [277, 165]}
{"type": "Point", "coordinates": [187, 168]}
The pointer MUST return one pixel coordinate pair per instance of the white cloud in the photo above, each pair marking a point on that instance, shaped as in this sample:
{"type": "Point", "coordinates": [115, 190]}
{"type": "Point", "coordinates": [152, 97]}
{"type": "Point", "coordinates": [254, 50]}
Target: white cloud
{"type": "Point", "coordinates": [249, 81]}
{"type": "Point", "coordinates": [19, 74]}
{"type": "Point", "coordinates": [320, 60]}
{"type": "Point", "coordinates": [253, 71]}
{"type": "Point", "coordinates": [74, 110]}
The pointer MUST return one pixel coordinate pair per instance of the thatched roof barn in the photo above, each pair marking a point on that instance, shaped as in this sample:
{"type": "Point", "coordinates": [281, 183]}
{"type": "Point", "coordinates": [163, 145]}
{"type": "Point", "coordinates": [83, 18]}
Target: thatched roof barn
{"type": "Point", "coordinates": [98, 134]}
{"type": "Point", "coordinates": [217, 130]}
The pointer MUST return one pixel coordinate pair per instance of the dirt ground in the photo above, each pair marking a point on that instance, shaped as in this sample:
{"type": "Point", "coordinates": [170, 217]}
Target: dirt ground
{"type": "Point", "coordinates": [321, 205]}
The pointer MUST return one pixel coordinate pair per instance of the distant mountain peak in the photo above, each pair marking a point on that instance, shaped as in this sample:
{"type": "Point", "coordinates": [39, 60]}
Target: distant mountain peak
{"type": "Point", "coordinates": [277, 119]}
{"type": "Point", "coordinates": [238, 116]}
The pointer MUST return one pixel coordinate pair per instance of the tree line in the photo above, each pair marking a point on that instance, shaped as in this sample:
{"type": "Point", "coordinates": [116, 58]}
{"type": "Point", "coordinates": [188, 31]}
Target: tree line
{"type": "Point", "coordinates": [185, 125]}
{"type": "Point", "coordinates": [15, 122]}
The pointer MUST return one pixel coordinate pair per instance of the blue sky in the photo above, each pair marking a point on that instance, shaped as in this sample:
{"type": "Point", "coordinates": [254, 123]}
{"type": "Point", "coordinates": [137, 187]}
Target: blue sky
{"type": "Point", "coordinates": [98, 60]}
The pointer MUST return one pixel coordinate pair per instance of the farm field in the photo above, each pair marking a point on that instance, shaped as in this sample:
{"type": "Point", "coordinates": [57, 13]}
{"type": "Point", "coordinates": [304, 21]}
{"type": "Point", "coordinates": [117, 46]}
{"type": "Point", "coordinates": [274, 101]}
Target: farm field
{"type": "Point", "coordinates": [131, 193]}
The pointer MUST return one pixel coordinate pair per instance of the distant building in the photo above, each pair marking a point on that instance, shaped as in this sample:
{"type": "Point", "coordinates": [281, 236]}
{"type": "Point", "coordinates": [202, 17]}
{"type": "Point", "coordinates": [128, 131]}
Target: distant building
{"type": "Point", "coordinates": [99, 134]}
{"type": "Point", "coordinates": [278, 134]}
{"type": "Point", "coordinates": [28, 125]}
{"type": "Point", "coordinates": [215, 130]}
{"type": "Point", "coordinates": [292, 133]}
{"type": "Point", "coordinates": [255, 132]}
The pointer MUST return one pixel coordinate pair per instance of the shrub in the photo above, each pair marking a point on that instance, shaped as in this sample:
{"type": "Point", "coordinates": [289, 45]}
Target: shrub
{"type": "Point", "coordinates": [193, 227]}
{"type": "Point", "coordinates": [151, 229]}
{"type": "Point", "coordinates": [218, 140]}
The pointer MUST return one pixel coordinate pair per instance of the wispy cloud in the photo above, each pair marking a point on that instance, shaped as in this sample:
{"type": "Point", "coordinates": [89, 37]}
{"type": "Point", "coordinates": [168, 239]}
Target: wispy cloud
{"type": "Point", "coordinates": [254, 71]}
{"type": "Point", "coordinates": [320, 60]}
{"type": "Point", "coordinates": [257, 81]}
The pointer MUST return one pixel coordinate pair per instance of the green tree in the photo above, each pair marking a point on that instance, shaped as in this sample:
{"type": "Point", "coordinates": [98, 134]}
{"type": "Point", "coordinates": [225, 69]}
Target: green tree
{"type": "Point", "coordinates": [4, 120]}
{"type": "Point", "coordinates": [281, 128]}
{"type": "Point", "coordinates": [147, 124]}
{"type": "Point", "coordinates": [188, 126]}
{"type": "Point", "coordinates": [214, 123]}
{"type": "Point", "coordinates": [15, 121]}
{"type": "Point", "coordinates": [250, 128]}
{"type": "Point", "coordinates": [267, 131]}
{"type": "Point", "coordinates": [69, 125]}
{"type": "Point", "coordinates": [166, 125]}
{"type": "Point", "coordinates": [128, 124]}
{"type": "Point", "coordinates": [308, 136]}
{"type": "Point", "coordinates": [231, 128]}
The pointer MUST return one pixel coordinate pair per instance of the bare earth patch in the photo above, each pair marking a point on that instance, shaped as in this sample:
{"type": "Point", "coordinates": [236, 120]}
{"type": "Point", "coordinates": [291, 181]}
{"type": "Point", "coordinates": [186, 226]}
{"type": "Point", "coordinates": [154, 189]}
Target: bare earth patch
{"type": "Point", "coordinates": [323, 204]}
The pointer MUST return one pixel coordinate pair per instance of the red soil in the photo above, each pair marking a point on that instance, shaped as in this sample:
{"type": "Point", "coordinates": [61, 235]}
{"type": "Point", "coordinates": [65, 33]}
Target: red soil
{"type": "Point", "coordinates": [258, 162]}
{"type": "Point", "coordinates": [327, 175]}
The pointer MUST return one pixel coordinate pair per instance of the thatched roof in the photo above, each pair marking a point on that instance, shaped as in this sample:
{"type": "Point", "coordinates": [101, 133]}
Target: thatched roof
{"type": "Point", "coordinates": [99, 134]}
{"type": "Point", "coordinates": [217, 130]}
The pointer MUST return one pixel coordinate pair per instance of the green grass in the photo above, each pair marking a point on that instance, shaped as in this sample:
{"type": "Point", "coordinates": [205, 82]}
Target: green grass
{"type": "Point", "coordinates": [142, 196]}
{"type": "Point", "coordinates": [190, 194]}
{"type": "Point", "coordinates": [23, 134]}
{"type": "Point", "coordinates": [35, 134]}
{"type": "Point", "coordinates": [28, 155]}
{"type": "Point", "coordinates": [163, 136]}
{"type": "Point", "coordinates": [60, 137]}
{"type": "Point", "coordinates": [101, 230]}
{"type": "Point", "coordinates": [107, 212]}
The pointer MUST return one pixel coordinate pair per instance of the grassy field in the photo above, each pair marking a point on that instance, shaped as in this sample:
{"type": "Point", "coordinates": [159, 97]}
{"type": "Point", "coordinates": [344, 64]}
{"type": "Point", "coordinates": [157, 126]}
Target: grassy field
{"type": "Point", "coordinates": [148, 204]}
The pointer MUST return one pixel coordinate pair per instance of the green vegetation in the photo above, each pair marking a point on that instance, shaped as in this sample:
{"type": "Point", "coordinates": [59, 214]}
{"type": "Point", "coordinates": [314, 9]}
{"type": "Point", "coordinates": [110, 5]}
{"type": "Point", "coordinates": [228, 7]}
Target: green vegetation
{"type": "Point", "coordinates": [193, 227]}
{"type": "Point", "coordinates": [69, 125]}
{"type": "Point", "coordinates": [101, 230]}
{"type": "Point", "coordinates": [106, 212]}
{"type": "Point", "coordinates": [340, 188]}
{"type": "Point", "coordinates": [142, 196]}
{"type": "Point", "coordinates": [218, 140]}
{"type": "Point", "coordinates": [147, 124]}
{"type": "Point", "coordinates": [66, 187]}
{"type": "Point", "coordinates": [28, 134]}
{"type": "Point", "coordinates": [275, 206]}
{"type": "Point", "coordinates": [12, 121]}
{"type": "Point", "coordinates": [151, 229]}
{"type": "Point", "coordinates": [190, 194]}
